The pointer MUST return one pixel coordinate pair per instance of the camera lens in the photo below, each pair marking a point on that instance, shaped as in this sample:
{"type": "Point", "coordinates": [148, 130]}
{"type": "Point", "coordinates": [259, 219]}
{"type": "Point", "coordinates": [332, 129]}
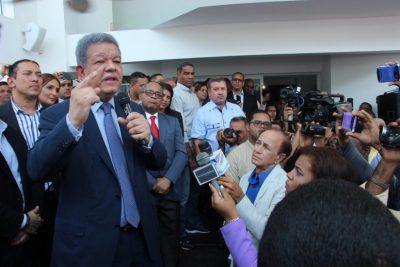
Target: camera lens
{"type": "Point", "coordinates": [228, 133]}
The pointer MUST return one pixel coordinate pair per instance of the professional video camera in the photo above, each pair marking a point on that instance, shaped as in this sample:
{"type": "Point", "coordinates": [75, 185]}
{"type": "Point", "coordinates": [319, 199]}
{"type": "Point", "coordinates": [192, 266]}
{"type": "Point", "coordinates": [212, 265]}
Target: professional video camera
{"type": "Point", "coordinates": [319, 108]}
{"type": "Point", "coordinates": [291, 96]}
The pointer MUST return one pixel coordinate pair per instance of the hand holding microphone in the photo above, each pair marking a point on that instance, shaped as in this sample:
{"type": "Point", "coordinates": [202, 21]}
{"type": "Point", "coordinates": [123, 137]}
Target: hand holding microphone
{"type": "Point", "coordinates": [206, 172]}
{"type": "Point", "coordinates": [136, 123]}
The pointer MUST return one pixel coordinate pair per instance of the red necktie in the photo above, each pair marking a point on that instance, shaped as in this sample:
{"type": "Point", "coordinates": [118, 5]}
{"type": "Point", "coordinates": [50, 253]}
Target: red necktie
{"type": "Point", "coordinates": [154, 127]}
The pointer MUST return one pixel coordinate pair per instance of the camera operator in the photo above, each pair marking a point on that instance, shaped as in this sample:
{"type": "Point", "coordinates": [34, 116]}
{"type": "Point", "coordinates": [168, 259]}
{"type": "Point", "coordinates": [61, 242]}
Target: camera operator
{"type": "Point", "coordinates": [237, 134]}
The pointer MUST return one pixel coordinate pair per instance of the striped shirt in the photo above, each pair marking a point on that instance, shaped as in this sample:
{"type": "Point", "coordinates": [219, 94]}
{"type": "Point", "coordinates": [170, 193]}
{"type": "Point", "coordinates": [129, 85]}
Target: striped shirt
{"type": "Point", "coordinates": [28, 123]}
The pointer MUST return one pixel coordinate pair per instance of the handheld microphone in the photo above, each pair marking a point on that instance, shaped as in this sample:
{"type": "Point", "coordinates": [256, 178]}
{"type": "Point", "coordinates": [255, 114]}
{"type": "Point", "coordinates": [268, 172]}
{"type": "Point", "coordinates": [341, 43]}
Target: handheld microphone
{"type": "Point", "coordinates": [203, 159]}
{"type": "Point", "coordinates": [124, 102]}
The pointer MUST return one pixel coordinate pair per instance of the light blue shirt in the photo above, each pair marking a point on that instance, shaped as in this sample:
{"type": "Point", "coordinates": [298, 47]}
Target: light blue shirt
{"type": "Point", "coordinates": [12, 161]}
{"type": "Point", "coordinates": [209, 119]}
{"type": "Point", "coordinates": [186, 102]}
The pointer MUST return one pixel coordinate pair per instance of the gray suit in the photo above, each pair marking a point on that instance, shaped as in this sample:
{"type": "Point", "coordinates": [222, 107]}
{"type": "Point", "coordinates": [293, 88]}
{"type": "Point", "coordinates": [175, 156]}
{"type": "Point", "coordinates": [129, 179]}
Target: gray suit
{"type": "Point", "coordinates": [168, 204]}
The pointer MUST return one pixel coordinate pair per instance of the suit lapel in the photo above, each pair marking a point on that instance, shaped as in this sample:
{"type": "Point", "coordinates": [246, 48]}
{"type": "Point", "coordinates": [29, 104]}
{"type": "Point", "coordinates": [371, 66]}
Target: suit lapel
{"type": "Point", "coordinates": [16, 139]}
{"type": "Point", "coordinates": [268, 183]}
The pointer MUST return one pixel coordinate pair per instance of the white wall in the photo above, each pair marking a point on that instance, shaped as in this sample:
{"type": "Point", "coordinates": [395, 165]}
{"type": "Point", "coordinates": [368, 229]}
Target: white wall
{"type": "Point", "coordinates": [268, 38]}
{"type": "Point", "coordinates": [53, 55]}
{"type": "Point", "coordinates": [147, 14]}
{"type": "Point", "coordinates": [99, 18]}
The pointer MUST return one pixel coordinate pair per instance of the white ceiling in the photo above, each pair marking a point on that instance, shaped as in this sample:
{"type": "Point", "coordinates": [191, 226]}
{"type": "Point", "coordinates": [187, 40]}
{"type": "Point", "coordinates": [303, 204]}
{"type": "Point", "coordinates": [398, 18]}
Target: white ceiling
{"type": "Point", "coordinates": [288, 11]}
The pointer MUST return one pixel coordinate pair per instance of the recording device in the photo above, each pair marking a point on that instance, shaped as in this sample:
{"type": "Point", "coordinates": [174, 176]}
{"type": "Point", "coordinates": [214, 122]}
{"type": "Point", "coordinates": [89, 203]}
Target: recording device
{"type": "Point", "coordinates": [313, 129]}
{"type": "Point", "coordinates": [291, 95]}
{"type": "Point", "coordinates": [229, 133]}
{"type": "Point", "coordinates": [238, 100]}
{"type": "Point", "coordinates": [388, 73]}
{"type": "Point", "coordinates": [206, 172]}
{"type": "Point", "coordinates": [124, 102]}
{"type": "Point", "coordinates": [349, 122]}
{"type": "Point", "coordinates": [390, 136]}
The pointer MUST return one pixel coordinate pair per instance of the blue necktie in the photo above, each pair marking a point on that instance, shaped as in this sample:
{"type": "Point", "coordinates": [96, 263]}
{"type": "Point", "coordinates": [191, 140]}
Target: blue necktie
{"type": "Point", "coordinates": [120, 167]}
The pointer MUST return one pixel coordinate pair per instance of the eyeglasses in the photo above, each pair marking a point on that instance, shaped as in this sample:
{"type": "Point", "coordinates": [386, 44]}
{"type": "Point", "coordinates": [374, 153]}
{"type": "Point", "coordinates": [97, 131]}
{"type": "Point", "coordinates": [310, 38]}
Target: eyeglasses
{"type": "Point", "coordinates": [237, 80]}
{"type": "Point", "coordinates": [266, 124]}
{"type": "Point", "coordinates": [150, 93]}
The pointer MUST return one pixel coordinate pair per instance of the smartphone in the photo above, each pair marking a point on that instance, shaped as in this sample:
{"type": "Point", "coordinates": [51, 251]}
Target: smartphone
{"type": "Point", "coordinates": [344, 107]}
{"type": "Point", "coordinates": [389, 73]}
{"type": "Point", "coordinates": [349, 122]}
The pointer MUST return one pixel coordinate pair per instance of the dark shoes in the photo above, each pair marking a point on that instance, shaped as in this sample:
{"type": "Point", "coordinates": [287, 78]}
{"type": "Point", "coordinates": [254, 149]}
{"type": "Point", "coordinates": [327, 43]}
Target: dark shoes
{"type": "Point", "coordinates": [185, 244]}
{"type": "Point", "coordinates": [196, 229]}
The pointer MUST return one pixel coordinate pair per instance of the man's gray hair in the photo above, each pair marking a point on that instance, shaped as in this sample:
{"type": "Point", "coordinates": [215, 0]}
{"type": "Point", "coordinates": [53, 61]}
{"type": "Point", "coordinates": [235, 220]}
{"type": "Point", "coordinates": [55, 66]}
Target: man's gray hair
{"type": "Point", "coordinates": [86, 41]}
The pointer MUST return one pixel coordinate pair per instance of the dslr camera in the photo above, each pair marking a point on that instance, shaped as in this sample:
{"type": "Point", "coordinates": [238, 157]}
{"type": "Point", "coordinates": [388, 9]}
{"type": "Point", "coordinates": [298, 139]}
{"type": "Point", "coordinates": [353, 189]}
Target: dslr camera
{"type": "Point", "coordinates": [313, 129]}
{"type": "Point", "coordinates": [229, 133]}
{"type": "Point", "coordinates": [388, 73]}
{"type": "Point", "coordinates": [390, 136]}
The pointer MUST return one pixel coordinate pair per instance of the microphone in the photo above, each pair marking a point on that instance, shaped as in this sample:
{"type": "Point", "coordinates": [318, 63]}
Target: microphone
{"type": "Point", "coordinates": [203, 159]}
{"type": "Point", "coordinates": [124, 102]}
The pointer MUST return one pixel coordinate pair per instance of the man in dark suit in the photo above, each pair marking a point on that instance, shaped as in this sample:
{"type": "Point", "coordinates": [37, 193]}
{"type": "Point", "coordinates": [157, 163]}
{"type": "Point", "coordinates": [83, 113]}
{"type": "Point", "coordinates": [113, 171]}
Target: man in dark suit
{"type": "Point", "coordinates": [245, 100]}
{"type": "Point", "coordinates": [163, 183]}
{"type": "Point", "coordinates": [19, 197]}
{"type": "Point", "coordinates": [105, 215]}
{"type": "Point", "coordinates": [18, 219]}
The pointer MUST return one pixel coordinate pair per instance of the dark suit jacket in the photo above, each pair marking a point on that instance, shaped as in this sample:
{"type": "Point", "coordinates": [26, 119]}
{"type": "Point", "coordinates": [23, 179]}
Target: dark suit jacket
{"type": "Point", "coordinates": [11, 201]}
{"type": "Point", "coordinates": [250, 105]}
{"type": "Point", "coordinates": [89, 208]}
{"type": "Point", "coordinates": [171, 137]}
{"type": "Point", "coordinates": [10, 196]}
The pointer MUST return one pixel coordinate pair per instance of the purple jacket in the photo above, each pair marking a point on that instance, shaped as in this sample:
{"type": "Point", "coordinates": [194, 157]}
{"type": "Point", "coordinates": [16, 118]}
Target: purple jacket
{"type": "Point", "coordinates": [240, 244]}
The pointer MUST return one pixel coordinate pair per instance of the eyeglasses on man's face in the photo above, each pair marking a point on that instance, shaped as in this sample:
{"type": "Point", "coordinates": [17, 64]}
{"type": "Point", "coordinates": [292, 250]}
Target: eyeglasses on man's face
{"type": "Point", "coordinates": [266, 124]}
{"type": "Point", "coordinates": [151, 93]}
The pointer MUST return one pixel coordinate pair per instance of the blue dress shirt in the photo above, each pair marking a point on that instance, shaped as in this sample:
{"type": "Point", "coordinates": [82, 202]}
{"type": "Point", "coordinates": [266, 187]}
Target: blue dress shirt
{"type": "Point", "coordinates": [255, 183]}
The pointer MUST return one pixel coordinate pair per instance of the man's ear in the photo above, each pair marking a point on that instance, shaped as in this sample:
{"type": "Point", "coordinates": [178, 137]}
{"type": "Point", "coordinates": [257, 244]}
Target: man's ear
{"type": "Point", "coordinates": [80, 72]}
{"type": "Point", "coordinates": [11, 82]}
{"type": "Point", "coordinates": [281, 157]}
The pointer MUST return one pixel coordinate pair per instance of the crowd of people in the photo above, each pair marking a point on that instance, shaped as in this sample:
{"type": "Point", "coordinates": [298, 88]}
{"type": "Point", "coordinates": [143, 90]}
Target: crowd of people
{"type": "Point", "coordinates": [93, 177]}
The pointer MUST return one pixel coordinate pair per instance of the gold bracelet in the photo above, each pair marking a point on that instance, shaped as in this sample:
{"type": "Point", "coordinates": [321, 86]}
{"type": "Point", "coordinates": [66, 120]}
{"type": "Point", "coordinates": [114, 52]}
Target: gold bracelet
{"type": "Point", "coordinates": [231, 220]}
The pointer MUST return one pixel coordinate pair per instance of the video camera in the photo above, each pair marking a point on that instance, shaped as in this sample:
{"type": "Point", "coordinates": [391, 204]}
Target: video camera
{"type": "Point", "coordinates": [291, 95]}
{"type": "Point", "coordinates": [316, 108]}
{"type": "Point", "coordinates": [319, 108]}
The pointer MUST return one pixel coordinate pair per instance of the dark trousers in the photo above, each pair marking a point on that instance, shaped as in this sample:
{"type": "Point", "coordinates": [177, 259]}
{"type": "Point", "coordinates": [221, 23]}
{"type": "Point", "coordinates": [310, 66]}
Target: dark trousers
{"type": "Point", "coordinates": [132, 250]}
{"type": "Point", "coordinates": [193, 217]}
{"type": "Point", "coordinates": [168, 218]}
{"type": "Point", "coordinates": [18, 256]}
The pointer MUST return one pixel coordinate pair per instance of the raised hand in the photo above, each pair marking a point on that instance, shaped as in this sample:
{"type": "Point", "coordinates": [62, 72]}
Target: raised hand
{"type": "Point", "coordinates": [83, 97]}
{"type": "Point", "coordinates": [370, 133]}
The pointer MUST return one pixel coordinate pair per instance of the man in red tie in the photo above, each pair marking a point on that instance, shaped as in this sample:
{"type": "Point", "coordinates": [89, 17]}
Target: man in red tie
{"type": "Point", "coordinates": [163, 184]}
